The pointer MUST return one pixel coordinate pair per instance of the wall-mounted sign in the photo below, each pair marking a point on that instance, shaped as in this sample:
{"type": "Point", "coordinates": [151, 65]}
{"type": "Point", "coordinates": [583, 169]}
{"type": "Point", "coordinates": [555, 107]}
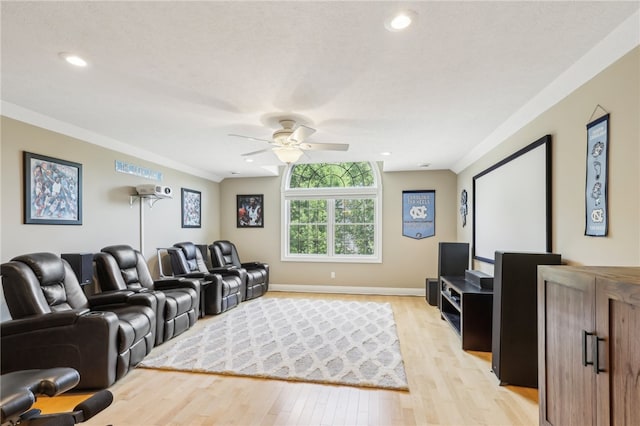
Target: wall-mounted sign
{"type": "Point", "coordinates": [132, 169]}
{"type": "Point", "coordinates": [419, 214]}
{"type": "Point", "coordinates": [596, 187]}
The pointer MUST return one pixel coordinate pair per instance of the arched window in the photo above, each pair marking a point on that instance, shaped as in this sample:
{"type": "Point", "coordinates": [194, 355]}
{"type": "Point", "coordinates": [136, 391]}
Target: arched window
{"type": "Point", "coordinates": [332, 212]}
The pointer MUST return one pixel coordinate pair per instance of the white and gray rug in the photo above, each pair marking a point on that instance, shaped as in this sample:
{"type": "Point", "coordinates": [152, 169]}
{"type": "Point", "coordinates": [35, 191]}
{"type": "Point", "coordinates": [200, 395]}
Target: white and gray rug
{"type": "Point", "coordinates": [325, 341]}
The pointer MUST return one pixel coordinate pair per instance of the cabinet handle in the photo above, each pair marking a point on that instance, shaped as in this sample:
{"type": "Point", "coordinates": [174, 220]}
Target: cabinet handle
{"type": "Point", "coordinates": [585, 334]}
{"type": "Point", "coordinates": [596, 356]}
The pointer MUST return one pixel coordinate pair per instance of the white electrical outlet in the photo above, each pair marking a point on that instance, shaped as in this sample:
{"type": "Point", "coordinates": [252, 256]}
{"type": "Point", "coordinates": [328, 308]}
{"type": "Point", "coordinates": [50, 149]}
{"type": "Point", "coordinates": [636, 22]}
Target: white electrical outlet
{"type": "Point", "coordinates": [333, 274]}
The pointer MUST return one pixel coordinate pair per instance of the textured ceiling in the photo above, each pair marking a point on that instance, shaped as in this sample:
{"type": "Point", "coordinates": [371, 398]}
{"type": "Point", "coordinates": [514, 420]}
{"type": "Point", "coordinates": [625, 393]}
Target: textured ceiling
{"type": "Point", "coordinates": [170, 80]}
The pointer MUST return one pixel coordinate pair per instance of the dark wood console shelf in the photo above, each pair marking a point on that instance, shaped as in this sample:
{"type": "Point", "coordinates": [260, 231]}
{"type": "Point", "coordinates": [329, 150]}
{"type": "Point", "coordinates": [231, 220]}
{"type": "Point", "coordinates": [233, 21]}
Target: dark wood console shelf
{"type": "Point", "coordinates": [468, 309]}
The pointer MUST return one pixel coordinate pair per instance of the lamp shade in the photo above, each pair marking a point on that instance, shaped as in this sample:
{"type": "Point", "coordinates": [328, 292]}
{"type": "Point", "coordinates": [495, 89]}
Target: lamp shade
{"type": "Point", "coordinates": [288, 154]}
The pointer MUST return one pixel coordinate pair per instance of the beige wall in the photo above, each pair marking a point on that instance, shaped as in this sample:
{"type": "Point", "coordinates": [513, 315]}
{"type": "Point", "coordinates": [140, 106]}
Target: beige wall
{"type": "Point", "coordinates": [107, 216]}
{"type": "Point", "coordinates": [109, 219]}
{"type": "Point", "coordinates": [406, 261]}
{"type": "Point", "coordinates": [617, 89]}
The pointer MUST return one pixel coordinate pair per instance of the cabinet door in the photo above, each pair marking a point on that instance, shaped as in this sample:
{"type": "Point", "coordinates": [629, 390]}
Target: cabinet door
{"type": "Point", "coordinates": [566, 309]}
{"type": "Point", "coordinates": [618, 324]}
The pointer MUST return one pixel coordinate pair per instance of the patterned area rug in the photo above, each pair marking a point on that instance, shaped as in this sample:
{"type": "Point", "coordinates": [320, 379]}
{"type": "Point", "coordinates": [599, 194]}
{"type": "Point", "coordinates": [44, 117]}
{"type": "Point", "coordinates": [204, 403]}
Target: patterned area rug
{"type": "Point", "coordinates": [325, 341]}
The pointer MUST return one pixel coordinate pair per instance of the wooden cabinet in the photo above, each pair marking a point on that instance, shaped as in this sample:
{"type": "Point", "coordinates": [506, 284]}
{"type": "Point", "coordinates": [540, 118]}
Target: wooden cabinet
{"type": "Point", "coordinates": [589, 345]}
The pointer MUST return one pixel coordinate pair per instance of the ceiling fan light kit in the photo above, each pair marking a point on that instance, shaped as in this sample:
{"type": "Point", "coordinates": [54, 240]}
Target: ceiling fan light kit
{"type": "Point", "coordinates": [288, 154]}
{"type": "Point", "coordinates": [288, 142]}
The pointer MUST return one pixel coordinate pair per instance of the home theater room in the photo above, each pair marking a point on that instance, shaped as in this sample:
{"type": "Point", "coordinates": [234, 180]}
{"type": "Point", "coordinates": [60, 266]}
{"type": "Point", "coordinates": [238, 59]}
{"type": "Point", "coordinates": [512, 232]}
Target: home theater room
{"type": "Point", "coordinates": [320, 213]}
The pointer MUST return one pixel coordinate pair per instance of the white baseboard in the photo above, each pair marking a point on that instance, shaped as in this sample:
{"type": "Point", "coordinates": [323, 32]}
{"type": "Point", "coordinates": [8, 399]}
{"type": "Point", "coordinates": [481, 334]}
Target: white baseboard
{"type": "Point", "coordinates": [385, 291]}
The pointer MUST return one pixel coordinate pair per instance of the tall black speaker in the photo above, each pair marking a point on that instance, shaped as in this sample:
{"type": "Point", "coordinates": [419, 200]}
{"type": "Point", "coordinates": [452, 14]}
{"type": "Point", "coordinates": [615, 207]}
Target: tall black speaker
{"type": "Point", "coordinates": [82, 265]}
{"type": "Point", "coordinates": [453, 259]}
{"type": "Point", "coordinates": [514, 341]}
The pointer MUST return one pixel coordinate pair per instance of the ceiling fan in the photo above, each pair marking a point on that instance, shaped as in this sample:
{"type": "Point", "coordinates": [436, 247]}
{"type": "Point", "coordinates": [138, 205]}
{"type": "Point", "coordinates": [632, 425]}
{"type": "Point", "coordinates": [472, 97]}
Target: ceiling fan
{"type": "Point", "coordinates": [289, 142]}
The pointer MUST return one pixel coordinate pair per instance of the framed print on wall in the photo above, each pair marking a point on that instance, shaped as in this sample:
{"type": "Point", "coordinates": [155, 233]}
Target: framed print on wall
{"type": "Point", "coordinates": [249, 210]}
{"type": "Point", "coordinates": [52, 191]}
{"type": "Point", "coordinates": [191, 208]}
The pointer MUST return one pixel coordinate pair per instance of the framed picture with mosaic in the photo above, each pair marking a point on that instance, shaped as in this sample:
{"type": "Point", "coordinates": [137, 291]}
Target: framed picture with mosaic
{"type": "Point", "coordinates": [191, 208]}
{"type": "Point", "coordinates": [52, 190]}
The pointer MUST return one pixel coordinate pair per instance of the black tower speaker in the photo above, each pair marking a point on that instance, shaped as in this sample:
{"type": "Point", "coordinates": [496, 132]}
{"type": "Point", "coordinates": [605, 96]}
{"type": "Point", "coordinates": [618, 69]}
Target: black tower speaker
{"type": "Point", "coordinates": [453, 259]}
{"type": "Point", "coordinates": [82, 265]}
{"type": "Point", "coordinates": [514, 341]}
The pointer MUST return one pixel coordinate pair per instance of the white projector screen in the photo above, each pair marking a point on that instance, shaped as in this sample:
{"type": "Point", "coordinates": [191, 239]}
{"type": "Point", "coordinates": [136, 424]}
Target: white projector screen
{"type": "Point", "coordinates": [512, 203]}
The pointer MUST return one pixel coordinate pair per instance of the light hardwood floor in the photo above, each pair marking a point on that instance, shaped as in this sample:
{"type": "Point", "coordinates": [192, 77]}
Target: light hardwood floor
{"type": "Point", "coordinates": [448, 386]}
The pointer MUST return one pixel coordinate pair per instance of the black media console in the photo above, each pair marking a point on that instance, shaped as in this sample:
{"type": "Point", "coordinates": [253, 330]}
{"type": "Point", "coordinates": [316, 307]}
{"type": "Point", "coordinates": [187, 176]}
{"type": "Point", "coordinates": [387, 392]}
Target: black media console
{"type": "Point", "coordinates": [466, 303]}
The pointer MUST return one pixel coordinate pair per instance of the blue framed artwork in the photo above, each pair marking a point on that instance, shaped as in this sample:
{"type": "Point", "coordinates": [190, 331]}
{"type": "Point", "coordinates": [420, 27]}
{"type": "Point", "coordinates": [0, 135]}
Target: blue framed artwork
{"type": "Point", "coordinates": [419, 214]}
{"type": "Point", "coordinates": [597, 214]}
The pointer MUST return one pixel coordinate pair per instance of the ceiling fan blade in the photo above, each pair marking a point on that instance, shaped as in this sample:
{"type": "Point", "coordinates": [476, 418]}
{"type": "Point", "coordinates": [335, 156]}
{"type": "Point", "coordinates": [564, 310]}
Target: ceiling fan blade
{"type": "Point", "coordinates": [325, 146]}
{"type": "Point", "coordinates": [251, 138]}
{"type": "Point", "coordinates": [255, 152]}
{"type": "Point", "coordinates": [301, 133]}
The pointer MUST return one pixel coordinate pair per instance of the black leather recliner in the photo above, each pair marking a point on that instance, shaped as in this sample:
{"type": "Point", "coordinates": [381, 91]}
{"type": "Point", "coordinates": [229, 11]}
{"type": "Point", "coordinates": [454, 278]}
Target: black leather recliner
{"type": "Point", "coordinates": [224, 290]}
{"type": "Point", "coordinates": [19, 390]}
{"type": "Point", "coordinates": [256, 274]}
{"type": "Point", "coordinates": [121, 267]}
{"type": "Point", "coordinates": [53, 323]}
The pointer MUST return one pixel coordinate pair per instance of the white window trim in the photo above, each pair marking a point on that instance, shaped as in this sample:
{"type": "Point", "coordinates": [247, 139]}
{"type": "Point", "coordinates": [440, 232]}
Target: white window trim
{"type": "Point", "coordinates": [374, 192]}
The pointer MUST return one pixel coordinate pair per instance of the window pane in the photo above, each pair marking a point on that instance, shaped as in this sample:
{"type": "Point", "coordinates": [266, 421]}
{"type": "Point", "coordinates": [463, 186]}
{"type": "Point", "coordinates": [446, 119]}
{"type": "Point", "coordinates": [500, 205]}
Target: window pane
{"type": "Point", "coordinates": [308, 239]}
{"type": "Point", "coordinates": [330, 175]}
{"type": "Point", "coordinates": [307, 211]}
{"type": "Point", "coordinates": [355, 211]}
{"type": "Point", "coordinates": [354, 240]}
{"type": "Point", "coordinates": [354, 229]}
{"type": "Point", "coordinates": [308, 227]}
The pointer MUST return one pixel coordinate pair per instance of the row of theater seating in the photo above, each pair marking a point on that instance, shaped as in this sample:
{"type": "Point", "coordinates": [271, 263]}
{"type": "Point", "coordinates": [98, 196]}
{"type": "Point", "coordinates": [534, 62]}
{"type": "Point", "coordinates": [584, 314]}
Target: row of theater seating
{"type": "Point", "coordinates": [49, 321]}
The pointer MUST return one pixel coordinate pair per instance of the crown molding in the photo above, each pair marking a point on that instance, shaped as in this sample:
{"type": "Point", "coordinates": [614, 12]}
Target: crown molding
{"type": "Point", "coordinates": [614, 46]}
{"type": "Point", "coordinates": [40, 120]}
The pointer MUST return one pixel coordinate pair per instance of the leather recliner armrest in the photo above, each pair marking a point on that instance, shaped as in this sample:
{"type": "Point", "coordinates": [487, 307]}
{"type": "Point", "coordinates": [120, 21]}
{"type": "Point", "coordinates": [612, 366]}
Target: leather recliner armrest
{"type": "Point", "coordinates": [252, 265]}
{"type": "Point", "coordinates": [110, 298]}
{"type": "Point", "coordinates": [102, 301]}
{"type": "Point", "coordinates": [167, 284]}
{"type": "Point", "coordinates": [233, 271]}
{"type": "Point", "coordinates": [41, 322]}
{"type": "Point", "coordinates": [197, 275]}
{"type": "Point", "coordinates": [85, 341]}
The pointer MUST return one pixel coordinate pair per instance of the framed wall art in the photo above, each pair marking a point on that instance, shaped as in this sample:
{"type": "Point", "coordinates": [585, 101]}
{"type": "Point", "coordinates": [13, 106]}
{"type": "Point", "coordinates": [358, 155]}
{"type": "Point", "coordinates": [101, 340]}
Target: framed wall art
{"type": "Point", "coordinates": [419, 214]}
{"type": "Point", "coordinates": [52, 191]}
{"type": "Point", "coordinates": [250, 213]}
{"type": "Point", "coordinates": [191, 208]}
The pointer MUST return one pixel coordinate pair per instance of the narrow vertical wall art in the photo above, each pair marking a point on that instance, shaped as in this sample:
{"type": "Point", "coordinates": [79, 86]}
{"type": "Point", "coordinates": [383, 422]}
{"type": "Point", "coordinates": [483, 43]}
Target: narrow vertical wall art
{"type": "Point", "coordinates": [597, 214]}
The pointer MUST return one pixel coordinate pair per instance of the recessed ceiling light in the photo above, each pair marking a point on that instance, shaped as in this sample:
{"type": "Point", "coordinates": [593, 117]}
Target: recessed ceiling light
{"type": "Point", "coordinates": [73, 59]}
{"type": "Point", "coordinates": [249, 160]}
{"type": "Point", "coordinates": [400, 20]}
{"type": "Point", "coordinates": [386, 153]}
